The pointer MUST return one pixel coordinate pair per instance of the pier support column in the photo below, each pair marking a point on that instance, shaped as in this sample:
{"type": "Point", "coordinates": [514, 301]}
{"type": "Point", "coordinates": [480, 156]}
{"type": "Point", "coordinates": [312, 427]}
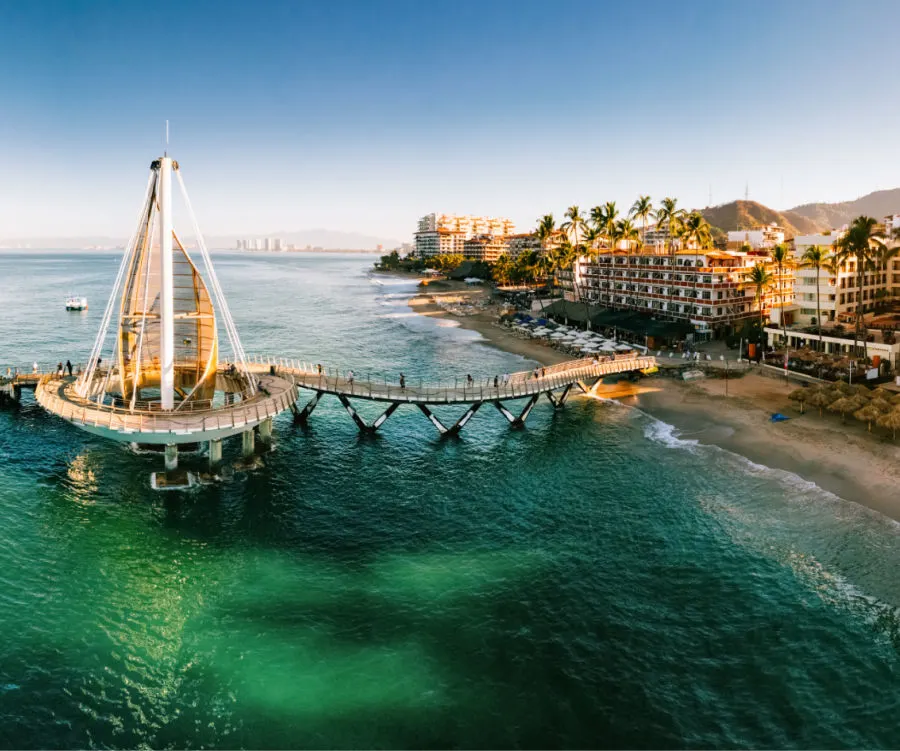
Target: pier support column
{"type": "Point", "coordinates": [248, 445]}
{"type": "Point", "coordinates": [171, 457]}
{"type": "Point", "coordinates": [215, 453]}
{"type": "Point", "coordinates": [265, 431]}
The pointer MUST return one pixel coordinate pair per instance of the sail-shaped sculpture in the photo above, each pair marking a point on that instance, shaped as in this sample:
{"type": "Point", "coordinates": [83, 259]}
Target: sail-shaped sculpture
{"type": "Point", "coordinates": [139, 341]}
{"type": "Point", "coordinates": [162, 382]}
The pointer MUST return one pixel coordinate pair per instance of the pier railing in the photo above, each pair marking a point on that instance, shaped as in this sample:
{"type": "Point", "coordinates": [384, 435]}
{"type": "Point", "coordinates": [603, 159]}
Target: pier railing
{"type": "Point", "coordinates": [380, 388]}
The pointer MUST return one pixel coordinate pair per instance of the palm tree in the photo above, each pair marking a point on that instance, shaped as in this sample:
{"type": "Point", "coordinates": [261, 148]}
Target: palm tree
{"type": "Point", "coordinates": [502, 269]}
{"type": "Point", "coordinates": [626, 231]}
{"type": "Point", "coordinates": [864, 243]}
{"type": "Point", "coordinates": [575, 222]}
{"type": "Point", "coordinates": [642, 209]}
{"type": "Point", "coordinates": [816, 257]}
{"type": "Point", "coordinates": [591, 237]}
{"type": "Point", "coordinates": [760, 278]}
{"type": "Point", "coordinates": [610, 217]}
{"type": "Point", "coordinates": [781, 255]}
{"type": "Point", "coordinates": [670, 217]}
{"type": "Point", "coordinates": [695, 230]}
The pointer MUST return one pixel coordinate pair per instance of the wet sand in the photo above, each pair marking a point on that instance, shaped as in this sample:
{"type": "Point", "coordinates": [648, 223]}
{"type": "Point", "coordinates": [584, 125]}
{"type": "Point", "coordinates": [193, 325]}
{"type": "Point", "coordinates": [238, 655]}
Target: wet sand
{"type": "Point", "coordinates": [842, 458]}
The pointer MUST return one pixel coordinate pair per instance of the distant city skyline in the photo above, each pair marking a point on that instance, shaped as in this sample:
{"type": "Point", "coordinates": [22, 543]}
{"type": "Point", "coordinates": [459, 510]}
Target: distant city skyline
{"type": "Point", "coordinates": [361, 117]}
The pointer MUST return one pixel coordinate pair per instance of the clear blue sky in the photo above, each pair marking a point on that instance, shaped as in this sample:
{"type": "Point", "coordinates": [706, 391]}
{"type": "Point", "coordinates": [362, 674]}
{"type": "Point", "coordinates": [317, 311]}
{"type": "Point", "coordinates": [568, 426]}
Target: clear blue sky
{"type": "Point", "coordinates": [364, 116]}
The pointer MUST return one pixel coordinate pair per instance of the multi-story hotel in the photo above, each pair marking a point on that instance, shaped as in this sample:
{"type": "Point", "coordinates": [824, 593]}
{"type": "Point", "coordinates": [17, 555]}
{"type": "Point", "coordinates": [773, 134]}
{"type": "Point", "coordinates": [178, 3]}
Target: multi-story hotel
{"type": "Point", "coordinates": [706, 287]}
{"type": "Point", "coordinates": [837, 288]}
{"type": "Point", "coordinates": [523, 243]}
{"type": "Point", "coordinates": [487, 248]}
{"type": "Point", "coordinates": [447, 233]}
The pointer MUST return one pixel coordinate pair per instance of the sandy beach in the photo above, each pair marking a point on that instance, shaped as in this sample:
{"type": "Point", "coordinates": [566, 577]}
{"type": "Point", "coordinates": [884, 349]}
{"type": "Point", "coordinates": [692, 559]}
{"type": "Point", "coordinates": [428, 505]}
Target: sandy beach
{"type": "Point", "coordinates": [842, 458]}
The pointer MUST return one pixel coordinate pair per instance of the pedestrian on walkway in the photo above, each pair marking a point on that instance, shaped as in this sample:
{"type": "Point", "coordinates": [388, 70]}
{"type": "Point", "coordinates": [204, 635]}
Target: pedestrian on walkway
{"type": "Point", "coordinates": [402, 381]}
{"type": "Point", "coordinates": [496, 382]}
{"type": "Point", "coordinates": [69, 367]}
{"type": "Point", "coordinates": [469, 379]}
{"type": "Point", "coordinates": [59, 370]}
{"type": "Point", "coordinates": [34, 367]}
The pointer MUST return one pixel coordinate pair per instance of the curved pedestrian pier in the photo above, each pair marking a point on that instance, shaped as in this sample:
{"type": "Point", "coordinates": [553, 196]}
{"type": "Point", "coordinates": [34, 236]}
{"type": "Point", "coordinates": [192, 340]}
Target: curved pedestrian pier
{"type": "Point", "coordinates": [556, 382]}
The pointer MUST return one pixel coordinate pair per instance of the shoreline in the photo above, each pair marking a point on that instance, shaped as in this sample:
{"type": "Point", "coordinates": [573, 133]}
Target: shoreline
{"type": "Point", "coordinates": [840, 458]}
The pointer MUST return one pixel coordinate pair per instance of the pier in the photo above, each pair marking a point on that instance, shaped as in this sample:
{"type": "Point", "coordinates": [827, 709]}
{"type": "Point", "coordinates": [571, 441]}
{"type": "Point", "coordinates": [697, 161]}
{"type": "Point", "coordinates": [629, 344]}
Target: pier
{"type": "Point", "coordinates": [556, 382]}
{"type": "Point", "coordinates": [157, 374]}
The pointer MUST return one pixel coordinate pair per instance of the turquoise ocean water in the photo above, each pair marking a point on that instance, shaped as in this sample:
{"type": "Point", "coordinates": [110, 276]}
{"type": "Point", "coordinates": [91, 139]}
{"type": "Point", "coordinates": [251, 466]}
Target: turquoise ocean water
{"type": "Point", "coordinates": [591, 581]}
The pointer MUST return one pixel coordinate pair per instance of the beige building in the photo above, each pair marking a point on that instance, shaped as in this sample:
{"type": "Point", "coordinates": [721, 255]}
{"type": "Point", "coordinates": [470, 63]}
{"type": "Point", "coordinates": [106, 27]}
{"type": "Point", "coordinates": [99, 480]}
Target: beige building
{"type": "Point", "coordinates": [705, 287]}
{"type": "Point", "coordinates": [487, 248]}
{"type": "Point", "coordinates": [447, 233]}
{"type": "Point", "coordinates": [523, 243]}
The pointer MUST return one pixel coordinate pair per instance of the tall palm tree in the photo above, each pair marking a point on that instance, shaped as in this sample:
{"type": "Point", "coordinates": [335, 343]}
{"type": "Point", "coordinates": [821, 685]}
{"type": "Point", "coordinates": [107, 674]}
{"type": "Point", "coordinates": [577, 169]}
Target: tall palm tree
{"type": "Point", "coordinates": [574, 222]}
{"type": "Point", "coordinates": [590, 250]}
{"type": "Point", "coordinates": [695, 230]}
{"type": "Point", "coordinates": [642, 209]}
{"type": "Point", "coordinates": [816, 257]}
{"type": "Point", "coordinates": [626, 231]}
{"type": "Point", "coordinates": [781, 255]}
{"type": "Point", "coordinates": [864, 243]}
{"type": "Point", "coordinates": [670, 217]}
{"type": "Point", "coordinates": [760, 278]}
{"type": "Point", "coordinates": [610, 231]}
{"type": "Point", "coordinates": [546, 229]}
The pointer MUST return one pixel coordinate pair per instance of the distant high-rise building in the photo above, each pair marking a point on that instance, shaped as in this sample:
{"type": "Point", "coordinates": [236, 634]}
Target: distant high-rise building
{"type": "Point", "coordinates": [276, 243]}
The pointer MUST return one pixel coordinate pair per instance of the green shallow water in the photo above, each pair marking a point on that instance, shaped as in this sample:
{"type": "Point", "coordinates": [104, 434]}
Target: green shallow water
{"type": "Point", "coordinates": [591, 581]}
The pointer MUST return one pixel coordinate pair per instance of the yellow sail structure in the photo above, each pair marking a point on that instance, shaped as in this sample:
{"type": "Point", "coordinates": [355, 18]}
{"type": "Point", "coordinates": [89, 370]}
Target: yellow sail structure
{"type": "Point", "coordinates": [140, 330]}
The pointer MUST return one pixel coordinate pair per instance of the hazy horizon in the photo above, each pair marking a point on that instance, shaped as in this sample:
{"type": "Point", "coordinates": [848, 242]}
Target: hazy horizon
{"type": "Point", "coordinates": [362, 117]}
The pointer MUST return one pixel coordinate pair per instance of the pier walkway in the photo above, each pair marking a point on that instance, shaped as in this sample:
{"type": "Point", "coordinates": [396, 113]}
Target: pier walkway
{"type": "Point", "coordinates": [281, 381]}
{"type": "Point", "coordinates": [556, 382]}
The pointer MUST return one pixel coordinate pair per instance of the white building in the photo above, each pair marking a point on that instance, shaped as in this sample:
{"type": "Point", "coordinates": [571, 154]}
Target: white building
{"type": "Point", "coordinates": [447, 233]}
{"type": "Point", "coordinates": [762, 238]}
{"type": "Point", "coordinates": [838, 287]}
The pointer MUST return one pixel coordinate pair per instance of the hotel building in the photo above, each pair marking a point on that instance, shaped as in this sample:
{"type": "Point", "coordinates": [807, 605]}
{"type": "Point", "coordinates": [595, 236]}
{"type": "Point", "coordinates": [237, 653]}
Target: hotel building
{"type": "Point", "coordinates": [705, 287]}
{"type": "Point", "coordinates": [447, 233]}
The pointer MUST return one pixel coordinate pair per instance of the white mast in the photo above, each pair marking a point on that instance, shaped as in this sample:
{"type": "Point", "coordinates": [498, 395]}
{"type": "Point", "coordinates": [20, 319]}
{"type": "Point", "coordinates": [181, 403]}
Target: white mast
{"type": "Point", "coordinates": [166, 289]}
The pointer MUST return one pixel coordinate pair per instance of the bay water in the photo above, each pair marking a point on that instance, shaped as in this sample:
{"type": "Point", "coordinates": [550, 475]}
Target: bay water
{"type": "Point", "coordinates": [594, 580]}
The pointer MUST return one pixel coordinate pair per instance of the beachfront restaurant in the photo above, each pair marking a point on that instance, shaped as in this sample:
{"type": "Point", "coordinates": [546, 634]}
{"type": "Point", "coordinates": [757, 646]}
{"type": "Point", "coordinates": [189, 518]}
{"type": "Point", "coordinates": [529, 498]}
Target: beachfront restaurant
{"type": "Point", "coordinates": [631, 326]}
{"type": "Point", "coordinates": [832, 344]}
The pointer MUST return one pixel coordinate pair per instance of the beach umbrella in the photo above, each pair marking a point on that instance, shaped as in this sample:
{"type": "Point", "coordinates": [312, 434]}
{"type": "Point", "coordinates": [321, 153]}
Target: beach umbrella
{"type": "Point", "coordinates": [800, 395]}
{"type": "Point", "coordinates": [843, 387]}
{"type": "Point", "coordinates": [862, 391]}
{"type": "Point", "coordinates": [844, 405]}
{"type": "Point", "coordinates": [821, 399]}
{"type": "Point", "coordinates": [868, 415]}
{"type": "Point", "coordinates": [882, 405]}
{"type": "Point", "coordinates": [882, 393]}
{"type": "Point", "coordinates": [895, 399]}
{"type": "Point", "coordinates": [891, 421]}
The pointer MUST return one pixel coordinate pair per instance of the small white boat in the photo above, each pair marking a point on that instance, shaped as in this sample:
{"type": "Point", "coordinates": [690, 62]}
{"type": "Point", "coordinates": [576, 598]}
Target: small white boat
{"type": "Point", "coordinates": [74, 302]}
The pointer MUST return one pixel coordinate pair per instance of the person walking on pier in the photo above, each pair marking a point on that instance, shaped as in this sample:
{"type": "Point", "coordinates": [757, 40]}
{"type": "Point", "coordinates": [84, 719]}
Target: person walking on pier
{"type": "Point", "coordinates": [59, 370]}
{"type": "Point", "coordinates": [469, 380]}
{"type": "Point", "coordinates": [543, 372]}
{"type": "Point", "coordinates": [69, 367]}
{"type": "Point", "coordinates": [402, 381]}
{"type": "Point", "coordinates": [34, 367]}
{"type": "Point", "coordinates": [496, 382]}
{"type": "Point", "coordinates": [350, 378]}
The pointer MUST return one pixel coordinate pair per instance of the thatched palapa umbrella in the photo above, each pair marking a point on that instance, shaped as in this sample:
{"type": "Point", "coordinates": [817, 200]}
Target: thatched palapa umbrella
{"type": "Point", "coordinates": [800, 395]}
{"type": "Point", "coordinates": [881, 404]}
{"type": "Point", "coordinates": [821, 399]}
{"type": "Point", "coordinates": [868, 415]}
{"type": "Point", "coordinates": [891, 421]}
{"type": "Point", "coordinates": [846, 404]}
